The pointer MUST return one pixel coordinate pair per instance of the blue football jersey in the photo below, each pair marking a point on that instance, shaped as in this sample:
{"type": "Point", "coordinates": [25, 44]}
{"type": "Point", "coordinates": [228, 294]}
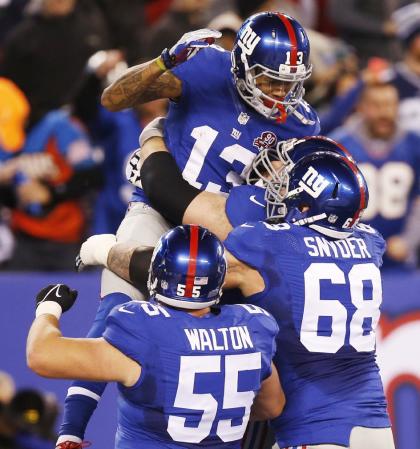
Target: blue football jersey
{"type": "Point", "coordinates": [393, 180]}
{"type": "Point", "coordinates": [245, 203]}
{"type": "Point", "coordinates": [213, 134]}
{"type": "Point", "coordinates": [199, 375]}
{"type": "Point", "coordinates": [325, 295]}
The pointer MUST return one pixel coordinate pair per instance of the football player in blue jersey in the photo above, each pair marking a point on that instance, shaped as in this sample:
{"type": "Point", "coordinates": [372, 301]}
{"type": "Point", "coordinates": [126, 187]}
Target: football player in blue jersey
{"type": "Point", "coordinates": [188, 371]}
{"type": "Point", "coordinates": [317, 272]}
{"type": "Point", "coordinates": [225, 108]}
{"type": "Point", "coordinates": [389, 158]}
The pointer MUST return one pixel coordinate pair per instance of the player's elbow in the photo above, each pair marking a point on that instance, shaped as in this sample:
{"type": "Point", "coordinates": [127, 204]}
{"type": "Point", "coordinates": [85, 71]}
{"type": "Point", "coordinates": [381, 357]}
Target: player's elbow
{"type": "Point", "coordinates": [276, 409]}
{"type": "Point", "coordinates": [269, 409]}
{"type": "Point", "coordinates": [38, 360]}
{"type": "Point", "coordinates": [106, 101]}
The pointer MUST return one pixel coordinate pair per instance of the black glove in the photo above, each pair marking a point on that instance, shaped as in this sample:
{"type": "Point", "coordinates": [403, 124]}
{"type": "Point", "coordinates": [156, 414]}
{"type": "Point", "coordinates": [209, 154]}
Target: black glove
{"type": "Point", "coordinates": [59, 293]}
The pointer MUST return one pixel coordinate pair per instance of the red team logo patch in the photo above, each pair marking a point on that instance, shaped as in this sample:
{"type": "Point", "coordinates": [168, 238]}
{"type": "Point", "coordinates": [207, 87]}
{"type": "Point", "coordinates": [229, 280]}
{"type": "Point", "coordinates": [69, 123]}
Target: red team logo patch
{"type": "Point", "coordinates": [267, 140]}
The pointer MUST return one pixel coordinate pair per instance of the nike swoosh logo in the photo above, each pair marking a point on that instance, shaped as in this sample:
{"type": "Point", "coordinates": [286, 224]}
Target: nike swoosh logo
{"type": "Point", "coordinates": [123, 309]}
{"type": "Point", "coordinates": [51, 290]}
{"type": "Point", "coordinates": [255, 201]}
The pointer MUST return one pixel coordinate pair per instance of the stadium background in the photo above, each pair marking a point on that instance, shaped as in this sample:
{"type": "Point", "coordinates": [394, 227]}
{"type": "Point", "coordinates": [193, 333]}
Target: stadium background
{"type": "Point", "coordinates": [62, 53]}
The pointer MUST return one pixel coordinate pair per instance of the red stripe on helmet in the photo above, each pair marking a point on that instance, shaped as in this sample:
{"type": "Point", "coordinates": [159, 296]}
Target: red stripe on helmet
{"type": "Point", "coordinates": [192, 264]}
{"type": "Point", "coordinates": [362, 203]}
{"type": "Point", "coordinates": [292, 37]}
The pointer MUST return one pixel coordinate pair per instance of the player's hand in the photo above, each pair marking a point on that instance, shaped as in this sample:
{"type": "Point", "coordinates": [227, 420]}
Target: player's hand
{"type": "Point", "coordinates": [61, 294]}
{"type": "Point", "coordinates": [189, 44]}
{"type": "Point", "coordinates": [95, 250]}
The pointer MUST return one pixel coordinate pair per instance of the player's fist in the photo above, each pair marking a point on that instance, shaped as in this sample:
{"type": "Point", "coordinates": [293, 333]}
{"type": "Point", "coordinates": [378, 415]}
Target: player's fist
{"type": "Point", "coordinates": [60, 294]}
{"type": "Point", "coordinates": [189, 44]}
{"type": "Point", "coordinates": [95, 250]}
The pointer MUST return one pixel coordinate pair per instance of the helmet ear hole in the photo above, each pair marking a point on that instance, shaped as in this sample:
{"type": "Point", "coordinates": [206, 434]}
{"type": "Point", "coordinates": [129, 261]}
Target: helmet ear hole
{"type": "Point", "coordinates": [303, 207]}
{"type": "Point", "coordinates": [335, 191]}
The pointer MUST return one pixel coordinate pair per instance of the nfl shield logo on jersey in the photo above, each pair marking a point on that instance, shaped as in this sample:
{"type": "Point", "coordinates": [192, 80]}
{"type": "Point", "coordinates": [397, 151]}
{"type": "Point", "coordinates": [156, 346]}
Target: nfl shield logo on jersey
{"type": "Point", "coordinates": [243, 118]}
{"type": "Point", "coordinates": [267, 140]}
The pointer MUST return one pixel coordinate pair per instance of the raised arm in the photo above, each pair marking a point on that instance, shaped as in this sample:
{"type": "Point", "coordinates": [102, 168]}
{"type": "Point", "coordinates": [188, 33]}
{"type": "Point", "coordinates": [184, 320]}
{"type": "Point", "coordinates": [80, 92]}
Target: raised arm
{"type": "Point", "coordinates": [50, 354]}
{"type": "Point", "coordinates": [153, 80]}
{"type": "Point", "coordinates": [140, 84]}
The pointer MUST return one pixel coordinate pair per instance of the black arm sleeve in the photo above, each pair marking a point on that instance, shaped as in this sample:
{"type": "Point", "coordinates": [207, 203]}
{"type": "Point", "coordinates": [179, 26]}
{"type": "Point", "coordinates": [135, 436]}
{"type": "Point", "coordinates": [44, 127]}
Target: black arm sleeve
{"type": "Point", "coordinates": [165, 187]}
{"type": "Point", "coordinates": [139, 269]}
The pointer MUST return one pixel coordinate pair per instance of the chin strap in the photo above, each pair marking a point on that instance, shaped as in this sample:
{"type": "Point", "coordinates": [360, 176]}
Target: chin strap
{"type": "Point", "coordinates": [282, 114]}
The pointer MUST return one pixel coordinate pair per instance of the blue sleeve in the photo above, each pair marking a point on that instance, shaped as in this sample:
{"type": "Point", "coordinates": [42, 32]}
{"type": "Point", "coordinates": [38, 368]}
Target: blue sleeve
{"type": "Point", "coordinates": [200, 73]}
{"type": "Point", "coordinates": [269, 331]}
{"type": "Point", "coordinates": [125, 329]}
{"type": "Point", "coordinates": [341, 108]}
{"type": "Point", "coordinates": [245, 204]}
{"type": "Point", "coordinates": [264, 329]}
{"type": "Point", "coordinates": [375, 241]}
{"type": "Point", "coordinates": [246, 243]}
{"type": "Point", "coordinates": [83, 396]}
{"type": "Point", "coordinates": [380, 247]}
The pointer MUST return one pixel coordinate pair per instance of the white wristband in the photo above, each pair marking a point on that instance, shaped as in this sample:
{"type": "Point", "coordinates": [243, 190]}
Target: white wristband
{"type": "Point", "coordinates": [50, 307]}
{"type": "Point", "coordinates": [96, 249]}
{"type": "Point", "coordinates": [102, 252]}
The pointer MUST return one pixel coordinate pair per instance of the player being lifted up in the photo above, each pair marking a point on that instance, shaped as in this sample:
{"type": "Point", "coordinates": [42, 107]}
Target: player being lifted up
{"type": "Point", "coordinates": [188, 372]}
{"type": "Point", "coordinates": [225, 108]}
{"type": "Point", "coordinates": [317, 272]}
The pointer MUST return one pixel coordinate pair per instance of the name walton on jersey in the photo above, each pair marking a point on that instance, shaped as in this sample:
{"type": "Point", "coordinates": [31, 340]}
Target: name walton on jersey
{"type": "Point", "coordinates": [225, 338]}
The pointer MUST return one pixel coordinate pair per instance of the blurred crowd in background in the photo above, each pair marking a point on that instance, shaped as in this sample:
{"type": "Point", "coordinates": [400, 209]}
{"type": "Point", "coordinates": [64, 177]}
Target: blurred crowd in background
{"type": "Point", "coordinates": [27, 416]}
{"type": "Point", "coordinates": [62, 155]}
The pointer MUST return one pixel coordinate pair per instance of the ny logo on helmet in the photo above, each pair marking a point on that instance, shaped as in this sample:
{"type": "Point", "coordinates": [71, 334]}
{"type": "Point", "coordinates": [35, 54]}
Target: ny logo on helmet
{"type": "Point", "coordinates": [248, 40]}
{"type": "Point", "coordinates": [313, 183]}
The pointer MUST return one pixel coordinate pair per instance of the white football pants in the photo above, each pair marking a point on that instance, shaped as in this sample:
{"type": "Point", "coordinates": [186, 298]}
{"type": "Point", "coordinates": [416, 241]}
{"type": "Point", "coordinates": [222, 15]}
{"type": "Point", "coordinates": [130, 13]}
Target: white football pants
{"type": "Point", "coordinates": [360, 438]}
{"type": "Point", "coordinates": [141, 225]}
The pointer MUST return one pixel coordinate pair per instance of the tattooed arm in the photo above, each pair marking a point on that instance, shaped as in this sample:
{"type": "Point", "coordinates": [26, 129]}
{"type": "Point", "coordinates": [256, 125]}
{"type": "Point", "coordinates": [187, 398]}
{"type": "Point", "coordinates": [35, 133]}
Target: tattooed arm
{"type": "Point", "coordinates": [153, 80]}
{"type": "Point", "coordinates": [140, 84]}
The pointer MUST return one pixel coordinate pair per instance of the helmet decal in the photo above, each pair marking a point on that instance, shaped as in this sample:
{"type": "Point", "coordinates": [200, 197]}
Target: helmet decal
{"type": "Point", "coordinates": [313, 182]}
{"type": "Point", "coordinates": [248, 40]}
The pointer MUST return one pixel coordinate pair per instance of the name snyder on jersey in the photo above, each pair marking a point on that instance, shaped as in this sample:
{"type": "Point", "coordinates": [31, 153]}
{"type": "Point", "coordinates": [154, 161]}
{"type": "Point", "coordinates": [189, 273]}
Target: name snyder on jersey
{"type": "Point", "coordinates": [222, 339]}
{"type": "Point", "coordinates": [346, 248]}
